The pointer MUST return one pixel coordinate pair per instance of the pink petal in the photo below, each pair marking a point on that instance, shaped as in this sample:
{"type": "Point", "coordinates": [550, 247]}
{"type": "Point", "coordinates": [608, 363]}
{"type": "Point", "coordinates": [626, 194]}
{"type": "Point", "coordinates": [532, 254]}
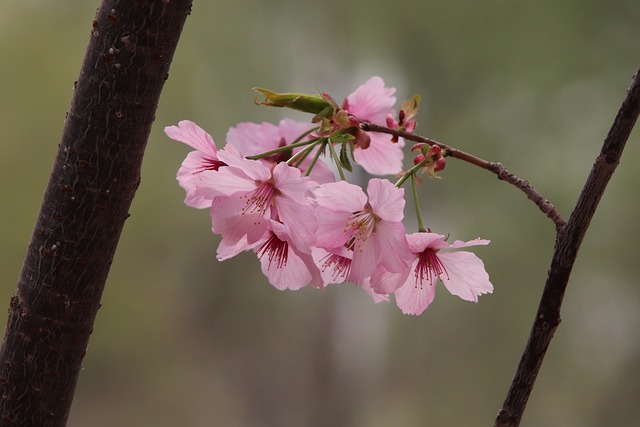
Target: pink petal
{"type": "Point", "coordinates": [290, 130]}
{"type": "Point", "coordinates": [296, 272]}
{"type": "Point", "coordinates": [334, 265]}
{"type": "Point", "coordinates": [465, 275]}
{"type": "Point", "coordinates": [396, 255]}
{"type": "Point", "coordinates": [229, 220]}
{"type": "Point", "coordinates": [474, 242]}
{"type": "Point", "coordinates": [413, 299]}
{"type": "Point", "coordinates": [254, 138]}
{"type": "Point", "coordinates": [365, 259]}
{"type": "Point", "coordinates": [227, 250]}
{"type": "Point", "coordinates": [189, 178]}
{"type": "Point", "coordinates": [193, 135]}
{"type": "Point", "coordinates": [340, 196]}
{"type": "Point", "coordinates": [291, 184]}
{"type": "Point", "coordinates": [386, 200]}
{"type": "Point", "coordinates": [320, 173]}
{"type": "Point", "coordinates": [372, 101]}
{"type": "Point", "coordinates": [299, 222]}
{"type": "Point", "coordinates": [418, 242]}
{"type": "Point", "coordinates": [332, 231]}
{"type": "Point", "coordinates": [294, 275]}
{"type": "Point", "coordinates": [377, 298]}
{"type": "Point", "coordinates": [223, 182]}
{"type": "Point", "coordinates": [382, 157]}
{"type": "Point", "coordinates": [253, 169]}
{"type": "Point", "coordinates": [385, 282]}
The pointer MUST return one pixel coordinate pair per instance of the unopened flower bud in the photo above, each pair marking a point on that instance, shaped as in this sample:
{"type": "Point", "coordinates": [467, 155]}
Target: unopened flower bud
{"type": "Point", "coordinates": [313, 104]}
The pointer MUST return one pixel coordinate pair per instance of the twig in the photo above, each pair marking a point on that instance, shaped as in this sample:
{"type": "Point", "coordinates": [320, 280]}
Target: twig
{"type": "Point", "coordinates": [568, 243]}
{"type": "Point", "coordinates": [497, 168]}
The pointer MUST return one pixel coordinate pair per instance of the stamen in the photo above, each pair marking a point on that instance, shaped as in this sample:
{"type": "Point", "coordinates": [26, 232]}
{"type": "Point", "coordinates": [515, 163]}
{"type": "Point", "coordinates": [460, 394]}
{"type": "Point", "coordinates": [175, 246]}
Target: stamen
{"type": "Point", "coordinates": [277, 250]}
{"type": "Point", "coordinates": [259, 200]}
{"type": "Point", "coordinates": [209, 165]}
{"type": "Point", "coordinates": [340, 266]}
{"type": "Point", "coordinates": [362, 224]}
{"type": "Point", "coordinates": [429, 268]}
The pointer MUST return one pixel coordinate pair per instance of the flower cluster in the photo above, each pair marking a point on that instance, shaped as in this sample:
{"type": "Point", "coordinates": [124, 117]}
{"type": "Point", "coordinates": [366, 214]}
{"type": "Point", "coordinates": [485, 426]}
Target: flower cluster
{"type": "Point", "coordinates": [270, 191]}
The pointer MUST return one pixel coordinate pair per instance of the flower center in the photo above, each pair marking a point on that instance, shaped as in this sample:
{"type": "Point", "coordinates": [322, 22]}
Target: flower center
{"type": "Point", "coordinates": [340, 266]}
{"type": "Point", "coordinates": [259, 200]}
{"type": "Point", "coordinates": [276, 250]}
{"type": "Point", "coordinates": [210, 165]}
{"type": "Point", "coordinates": [361, 224]}
{"type": "Point", "coordinates": [429, 268]}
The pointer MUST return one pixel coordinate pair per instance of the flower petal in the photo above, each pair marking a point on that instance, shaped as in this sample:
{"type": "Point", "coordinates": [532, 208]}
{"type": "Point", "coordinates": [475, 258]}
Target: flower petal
{"type": "Point", "coordinates": [387, 201]}
{"type": "Point", "coordinates": [340, 196]}
{"type": "Point", "coordinates": [193, 135]}
{"type": "Point", "coordinates": [382, 157]}
{"type": "Point", "coordinates": [465, 275]}
{"type": "Point", "coordinates": [414, 299]}
{"type": "Point", "coordinates": [372, 101]}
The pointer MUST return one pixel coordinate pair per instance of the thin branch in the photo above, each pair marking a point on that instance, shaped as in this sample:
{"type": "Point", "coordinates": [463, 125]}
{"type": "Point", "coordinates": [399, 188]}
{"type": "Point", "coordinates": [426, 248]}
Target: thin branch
{"type": "Point", "coordinates": [568, 243]}
{"type": "Point", "coordinates": [496, 168]}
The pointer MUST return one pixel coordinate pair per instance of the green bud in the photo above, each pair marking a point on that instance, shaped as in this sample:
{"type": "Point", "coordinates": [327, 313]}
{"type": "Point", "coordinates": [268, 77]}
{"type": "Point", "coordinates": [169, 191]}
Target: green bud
{"type": "Point", "coordinates": [313, 104]}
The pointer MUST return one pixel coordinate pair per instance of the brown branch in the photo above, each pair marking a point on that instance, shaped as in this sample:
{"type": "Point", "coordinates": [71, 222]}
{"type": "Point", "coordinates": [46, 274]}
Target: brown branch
{"type": "Point", "coordinates": [496, 168]}
{"type": "Point", "coordinates": [94, 178]}
{"type": "Point", "coordinates": [566, 250]}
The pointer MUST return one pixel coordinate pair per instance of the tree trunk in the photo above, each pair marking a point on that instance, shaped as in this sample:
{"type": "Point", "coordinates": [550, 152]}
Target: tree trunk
{"type": "Point", "coordinates": [94, 178]}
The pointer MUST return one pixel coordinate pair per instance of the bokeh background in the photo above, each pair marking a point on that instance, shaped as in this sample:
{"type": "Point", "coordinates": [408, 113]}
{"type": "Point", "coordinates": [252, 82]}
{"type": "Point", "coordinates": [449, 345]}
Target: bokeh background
{"type": "Point", "coordinates": [182, 339]}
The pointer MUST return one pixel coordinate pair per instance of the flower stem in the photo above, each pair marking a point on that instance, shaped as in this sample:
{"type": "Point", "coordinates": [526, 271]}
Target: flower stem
{"type": "Point", "coordinates": [295, 144]}
{"type": "Point", "coordinates": [410, 173]}
{"type": "Point", "coordinates": [316, 157]}
{"type": "Point", "coordinates": [299, 157]}
{"type": "Point", "coordinates": [416, 201]}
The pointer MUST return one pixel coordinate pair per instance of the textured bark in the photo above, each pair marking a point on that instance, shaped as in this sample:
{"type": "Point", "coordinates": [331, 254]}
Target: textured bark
{"type": "Point", "coordinates": [568, 243]}
{"type": "Point", "coordinates": [93, 181]}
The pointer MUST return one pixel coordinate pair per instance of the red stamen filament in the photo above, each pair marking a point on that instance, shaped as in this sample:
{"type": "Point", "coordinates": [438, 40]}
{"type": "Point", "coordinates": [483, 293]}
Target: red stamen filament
{"type": "Point", "coordinates": [429, 268]}
{"type": "Point", "coordinates": [277, 251]}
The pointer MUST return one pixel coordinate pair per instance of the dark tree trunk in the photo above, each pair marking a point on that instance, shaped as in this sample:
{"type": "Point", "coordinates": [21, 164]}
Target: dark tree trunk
{"type": "Point", "coordinates": [93, 181]}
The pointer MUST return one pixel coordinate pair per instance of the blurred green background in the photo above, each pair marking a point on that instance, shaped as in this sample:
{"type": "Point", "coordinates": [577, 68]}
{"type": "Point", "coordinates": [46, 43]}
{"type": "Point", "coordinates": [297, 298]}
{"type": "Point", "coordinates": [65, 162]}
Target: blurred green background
{"type": "Point", "coordinates": [184, 340]}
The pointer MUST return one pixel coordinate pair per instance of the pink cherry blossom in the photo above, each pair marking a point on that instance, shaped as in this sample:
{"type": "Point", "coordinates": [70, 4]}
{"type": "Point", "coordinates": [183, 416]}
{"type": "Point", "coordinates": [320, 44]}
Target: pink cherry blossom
{"type": "Point", "coordinates": [334, 264]}
{"type": "Point", "coordinates": [462, 273]}
{"type": "Point", "coordinates": [197, 163]}
{"type": "Point", "coordinates": [373, 102]}
{"type": "Point", "coordinates": [369, 227]}
{"type": "Point", "coordinates": [257, 138]}
{"type": "Point", "coordinates": [283, 264]}
{"type": "Point", "coordinates": [335, 267]}
{"type": "Point", "coordinates": [253, 193]}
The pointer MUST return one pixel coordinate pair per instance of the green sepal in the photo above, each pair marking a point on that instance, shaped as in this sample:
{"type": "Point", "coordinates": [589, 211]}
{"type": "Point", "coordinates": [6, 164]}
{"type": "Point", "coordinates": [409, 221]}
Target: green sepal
{"type": "Point", "coordinates": [344, 156]}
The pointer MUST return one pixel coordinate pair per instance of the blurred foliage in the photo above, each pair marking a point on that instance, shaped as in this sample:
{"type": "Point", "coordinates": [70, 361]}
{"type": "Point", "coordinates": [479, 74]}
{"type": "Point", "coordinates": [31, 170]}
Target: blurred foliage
{"type": "Point", "coordinates": [184, 340]}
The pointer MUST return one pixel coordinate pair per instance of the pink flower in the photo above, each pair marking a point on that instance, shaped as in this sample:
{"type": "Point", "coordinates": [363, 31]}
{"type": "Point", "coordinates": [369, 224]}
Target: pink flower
{"type": "Point", "coordinates": [373, 102]}
{"type": "Point", "coordinates": [256, 138]}
{"type": "Point", "coordinates": [283, 264]}
{"type": "Point", "coordinates": [462, 273]}
{"type": "Point", "coordinates": [197, 163]}
{"type": "Point", "coordinates": [334, 264]}
{"type": "Point", "coordinates": [371, 228]}
{"type": "Point", "coordinates": [252, 193]}
{"type": "Point", "coordinates": [335, 267]}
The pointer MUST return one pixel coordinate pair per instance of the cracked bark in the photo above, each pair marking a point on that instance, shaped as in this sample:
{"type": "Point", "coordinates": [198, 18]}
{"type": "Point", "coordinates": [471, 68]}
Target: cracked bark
{"type": "Point", "coordinates": [92, 184]}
